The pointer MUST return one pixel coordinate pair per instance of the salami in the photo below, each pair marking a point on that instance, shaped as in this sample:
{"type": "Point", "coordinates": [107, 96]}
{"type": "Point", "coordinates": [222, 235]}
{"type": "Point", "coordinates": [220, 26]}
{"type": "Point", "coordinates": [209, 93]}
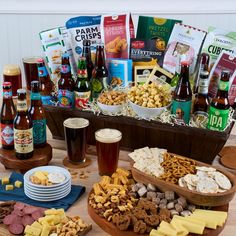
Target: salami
{"type": "Point", "coordinates": [9, 219]}
{"type": "Point", "coordinates": [19, 206]}
{"type": "Point", "coordinates": [27, 220]}
{"type": "Point", "coordinates": [16, 229]}
{"type": "Point", "coordinates": [17, 212]}
{"type": "Point", "coordinates": [30, 209]}
{"type": "Point", "coordinates": [37, 214]}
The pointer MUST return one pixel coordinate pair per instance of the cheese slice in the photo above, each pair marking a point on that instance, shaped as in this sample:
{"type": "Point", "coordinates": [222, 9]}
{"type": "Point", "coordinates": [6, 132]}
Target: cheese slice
{"type": "Point", "coordinates": [40, 175]}
{"type": "Point", "coordinates": [179, 228]}
{"type": "Point", "coordinates": [210, 221]}
{"type": "Point", "coordinates": [194, 220]}
{"type": "Point", "coordinates": [45, 231]}
{"type": "Point", "coordinates": [37, 225]}
{"type": "Point", "coordinates": [155, 233]}
{"type": "Point", "coordinates": [166, 229]}
{"type": "Point", "coordinates": [191, 227]}
{"type": "Point", "coordinates": [32, 231]}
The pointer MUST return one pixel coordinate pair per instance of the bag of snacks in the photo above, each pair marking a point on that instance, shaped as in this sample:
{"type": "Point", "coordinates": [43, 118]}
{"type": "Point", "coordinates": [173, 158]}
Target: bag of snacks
{"type": "Point", "coordinates": [184, 40]}
{"type": "Point", "coordinates": [146, 51]}
{"type": "Point", "coordinates": [156, 28]}
{"type": "Point", "coordinates": [53, 47]}
{"type": "Point", "coordinates": [232, 90]}
{"type": "Point", "coordinates": [84, 27]}
{"type": "Point", "coordinates": [218, 40]}
{"type": "Point", "coordinates": [116, 33]}
{"type": "Point", "coordinates": [225, 61]}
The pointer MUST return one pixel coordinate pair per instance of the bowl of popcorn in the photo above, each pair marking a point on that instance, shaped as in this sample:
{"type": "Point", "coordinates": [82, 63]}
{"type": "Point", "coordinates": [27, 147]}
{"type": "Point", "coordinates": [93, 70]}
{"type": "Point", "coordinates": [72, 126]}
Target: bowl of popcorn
{"type": "Point", "coordinates": [149, 100]}
{"type": "Point", "coordinates": [112, 101]}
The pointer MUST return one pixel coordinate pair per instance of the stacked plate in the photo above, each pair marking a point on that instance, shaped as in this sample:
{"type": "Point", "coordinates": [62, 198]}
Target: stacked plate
{"type": "Point", "coordinates": [47, 193]}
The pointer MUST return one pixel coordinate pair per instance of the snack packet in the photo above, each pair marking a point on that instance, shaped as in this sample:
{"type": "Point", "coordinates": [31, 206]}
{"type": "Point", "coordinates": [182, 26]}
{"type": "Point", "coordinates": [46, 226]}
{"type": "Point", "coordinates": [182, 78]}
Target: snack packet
{"type": "Point", "coordinates": [156, 28]}
{"type": "Point", "coordinates": [53, 47]}
{"type": "Point", "coordinates": [225, 61]}
{"type": "Point", "coordinates": [232, 90]}
{"type": "Point", "coordinates": [146, 51]}
{"type": "Point", "coordinates": [218, 40]}
{"type": "Point", "coordinates": [119, 71]}
{"type": "Point", "coordinates": [184, 40]}
{"type": "Point", "coordinates": [116, 33]}
{"type": "Point", "coordinates": [80, 28]}
{"type": "Point", "coordinates": [142, 73]}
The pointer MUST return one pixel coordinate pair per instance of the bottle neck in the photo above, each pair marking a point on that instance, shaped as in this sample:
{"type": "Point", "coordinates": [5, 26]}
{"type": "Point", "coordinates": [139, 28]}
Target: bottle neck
{"type": "Point", "coordinates": [66, 70]}
{"type": "Point", "coordinates": [86, 53]}
{"type": "Point", "coordinates": [184, 74]}
{"type": "Point", "coordinates": [35, 99]}
{"type": "Point", "coordinates": [7, 94]}
{"type": "Point", "coordinates": [223, 89]}
{"type": "Point", "coordinates": [82, 74]}
{"type": "Point", "coordinates": [100, 58]}
{"type": "Point", "coordinates": [21, 106]}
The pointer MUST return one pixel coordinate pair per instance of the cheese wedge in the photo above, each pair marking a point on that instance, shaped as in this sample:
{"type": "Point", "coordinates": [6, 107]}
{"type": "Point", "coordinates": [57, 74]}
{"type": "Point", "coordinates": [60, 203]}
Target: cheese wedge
{"type": "Point", "coordinates": [18, 184]}
{"type": "Point", "coordinates": [189, 218]}
{"type": "Point", "coordinates": [179, 228]}
{"type": "Point", "coordinates": [32, 231]}
{"type": "Point", "coordinates": [45, 231]}
{"type": "Point", "coordinates": [210, 221]}
{"type": "Point", "coordinates": [191, 227]}
{"type": "Point", "coordinates": [155, 233]}
{"type": "Point", "coordinates": [166, 229]}
{"type": "Point", "coordinates": [37, 225]}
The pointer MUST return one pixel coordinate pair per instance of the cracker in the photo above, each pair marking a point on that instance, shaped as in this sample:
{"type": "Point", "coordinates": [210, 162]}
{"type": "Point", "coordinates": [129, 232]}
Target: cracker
{"type": "Point", "coordinates": [222, 180]}
{"type": "Point", "coordinates": [207, 185]}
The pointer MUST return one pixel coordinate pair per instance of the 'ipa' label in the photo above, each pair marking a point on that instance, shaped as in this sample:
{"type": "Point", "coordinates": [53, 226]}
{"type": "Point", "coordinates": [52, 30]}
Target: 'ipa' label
{"type": "Point", "coordinates": [218, 119]}
{"type": "Point", "coordinates": [23, 140]}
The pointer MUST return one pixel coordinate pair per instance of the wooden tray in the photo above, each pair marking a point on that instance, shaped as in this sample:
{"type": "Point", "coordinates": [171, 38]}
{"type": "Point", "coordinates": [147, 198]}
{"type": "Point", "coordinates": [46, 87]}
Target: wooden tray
{"type": "Point", "coordinates": [201, 199]}
{"type": "Point", "coordinates": [111, 229]}
{"type": "Point", "coordinates": [41, 157]}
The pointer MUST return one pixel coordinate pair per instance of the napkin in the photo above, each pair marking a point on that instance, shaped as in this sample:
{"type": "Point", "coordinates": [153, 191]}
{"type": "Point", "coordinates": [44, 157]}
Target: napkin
{"type": "Point", "coordinates": [18, 195]}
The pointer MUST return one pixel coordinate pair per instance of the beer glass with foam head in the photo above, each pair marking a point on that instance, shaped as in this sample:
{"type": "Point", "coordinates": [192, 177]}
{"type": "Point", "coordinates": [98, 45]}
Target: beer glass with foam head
{"type": "Point", "coordinates": [108, 146]}
{"type": "Point", "coordinates": [75, 136]}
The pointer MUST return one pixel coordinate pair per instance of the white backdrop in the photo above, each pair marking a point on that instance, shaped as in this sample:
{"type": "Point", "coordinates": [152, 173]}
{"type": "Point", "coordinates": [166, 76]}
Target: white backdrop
{"type": "Point", "coordinates": [22, 20]}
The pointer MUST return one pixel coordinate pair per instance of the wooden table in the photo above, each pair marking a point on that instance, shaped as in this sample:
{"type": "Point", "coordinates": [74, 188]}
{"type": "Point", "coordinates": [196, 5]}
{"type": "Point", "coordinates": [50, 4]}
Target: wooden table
{"type": "Point", "coordinates": [80, 207]}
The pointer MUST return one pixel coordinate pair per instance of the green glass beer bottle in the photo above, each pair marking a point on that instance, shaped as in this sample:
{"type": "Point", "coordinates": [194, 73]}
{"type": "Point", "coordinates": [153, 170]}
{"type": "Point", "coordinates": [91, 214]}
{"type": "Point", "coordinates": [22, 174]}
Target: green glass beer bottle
{"type": "Point", "coordinates": [219, 108]}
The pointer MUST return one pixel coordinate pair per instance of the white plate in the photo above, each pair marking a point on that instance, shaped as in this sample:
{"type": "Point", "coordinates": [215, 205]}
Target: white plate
{"type": "Point", "coordinates": [36, 198]}
{"type": "Point", "coordinates": [49, 169]}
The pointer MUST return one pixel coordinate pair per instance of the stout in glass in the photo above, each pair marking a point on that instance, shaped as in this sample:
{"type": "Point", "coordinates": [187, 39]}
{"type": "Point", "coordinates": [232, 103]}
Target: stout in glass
{"type": "Point", "coordinates": [108, 145]}
{"type": "Point", "coordinates": [75, 135]}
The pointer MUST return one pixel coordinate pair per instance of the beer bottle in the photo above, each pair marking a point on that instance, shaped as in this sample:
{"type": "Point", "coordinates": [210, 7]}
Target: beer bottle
{"type": "Point", "coordinates": [182, 99]}
{"type": "Point", "coordinates": [66, 84]}
{"type": "Point", "coordinates": [82, 85]}
{"type": "Point", "coordinates": [219, 108]}
{"type": "Point", "coordinates": [37, 115]}
{"type": "Point", "coordinates": [203, 66]}
{"type": "Point", "coordinates": [23, 128]}
{"type": "Point", "coordinates": [8, 113]}
{"type": "Point", "coordinates": [99, 79]}
{"type": "Point", "coordinates": [87, 54]}
{"type": "Point", "coordinates": [201, 102]}
{"type": "Point", "coordinates": [45, 82]}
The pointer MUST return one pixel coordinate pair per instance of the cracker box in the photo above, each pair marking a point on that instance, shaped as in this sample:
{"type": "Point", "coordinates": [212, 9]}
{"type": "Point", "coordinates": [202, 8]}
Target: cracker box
{"type": "Point", "coordinates": [142, 73]}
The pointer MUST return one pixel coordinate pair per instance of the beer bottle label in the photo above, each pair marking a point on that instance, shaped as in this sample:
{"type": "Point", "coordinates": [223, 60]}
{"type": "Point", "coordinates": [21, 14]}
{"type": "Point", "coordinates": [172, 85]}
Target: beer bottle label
{"type": "Point", "coordinates": [42, 71]}
{"type": "Point", "coordinates": [39, 131]}
{"type": "Point", "coordinates": [7, 93]}
{"type": "Point", "coordinates": [65, 69]}
{"type": "Point", "coordinates": [65, 98]}
{"type": "Point", "coordinates": [23, 140]}
{"type": "Point", "coordinates": [217, 119]}
{"type": "Point", "coordinates": [224, 86]}
{"type": "Point", "coordinates": [35, 96]}
{"type": "Point", "coordinates": [46, 100]}
{"type": "Point", "coordinates": [182, 109]}
{"type": "Point", "coordinates": [7, 134]}
{"type": "Point", "coordinates": [81, 99]}
{"type": "Point", "coordinates": [21, 105]}
{"type": "Point", "coordinates": [203, 86]}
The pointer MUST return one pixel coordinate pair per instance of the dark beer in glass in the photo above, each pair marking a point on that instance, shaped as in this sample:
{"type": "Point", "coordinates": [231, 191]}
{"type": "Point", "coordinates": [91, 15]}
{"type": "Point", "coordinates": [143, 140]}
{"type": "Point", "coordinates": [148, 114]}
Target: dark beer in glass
{"type": "Point", "coordinates": [108, 146]}
{"type": "Point", "coordinates": [75, 136]}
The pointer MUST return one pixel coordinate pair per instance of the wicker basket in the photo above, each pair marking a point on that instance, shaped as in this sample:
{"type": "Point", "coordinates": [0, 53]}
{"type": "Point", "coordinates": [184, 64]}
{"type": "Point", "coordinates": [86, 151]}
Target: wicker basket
{"type": "Point", "coordinates": [199, 144]}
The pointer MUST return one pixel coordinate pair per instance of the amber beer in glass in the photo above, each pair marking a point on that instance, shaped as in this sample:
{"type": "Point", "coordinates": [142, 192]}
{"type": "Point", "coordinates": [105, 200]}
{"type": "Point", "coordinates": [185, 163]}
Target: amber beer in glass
{"type": "Point", "coordinates": [108, 146]}
{"type": "Point", "coordinates": [75, 135]}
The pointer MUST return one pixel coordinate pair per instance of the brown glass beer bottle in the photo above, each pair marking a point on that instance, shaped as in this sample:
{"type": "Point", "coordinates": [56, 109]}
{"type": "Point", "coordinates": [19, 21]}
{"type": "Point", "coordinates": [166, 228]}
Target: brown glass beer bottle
{"type": "Point", "coordinates": [219, 108]}
{"type": "Point", "coordinates": [87, 54]}
{"type": "Point", "coordinates": [182, 99]}
{"type": "Point", "coordinates": [66, 84]}
{"type": "Point", "coordinates": [45, 82]}
{"type": "Point", "coordinates": [99, 79]}
{"type": "Point", "coordinates": [38, 116]}
{"type": "Point", "coordinates": [8, 113]}
{"type": "Point", "coordinates": [23, 128]}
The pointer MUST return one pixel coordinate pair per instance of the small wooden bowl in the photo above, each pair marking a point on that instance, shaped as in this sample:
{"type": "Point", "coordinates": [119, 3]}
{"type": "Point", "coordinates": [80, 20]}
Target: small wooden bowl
{"type": "Point", "coordinates": [201, 199]}
{"type": "Point", "coordinates": [111, 229]}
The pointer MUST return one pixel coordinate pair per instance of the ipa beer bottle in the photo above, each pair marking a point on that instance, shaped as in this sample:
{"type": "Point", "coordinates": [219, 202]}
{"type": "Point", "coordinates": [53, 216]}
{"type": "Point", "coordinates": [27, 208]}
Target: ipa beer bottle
{"type": "Point", "coordinates": [219, 108]}
{"type": "Point", "coordinates": [45, 82]}
{"type": "Point", "coordinates": [87, 54]}
{"type": "Point", "coordinates": [38, 116]}
{"type": "Point", "coordinates": [82, 85]}
{"type": "Point", "coordinates": [8, 113]}
{"type": "Point", "coordinates": [99, 79]}
{"type": "Point", "coordinates": [23, 128]}
{"type": "Point", "coordinates": [182, 99]}
{"type": "Point", "coordinates": [201, 102]}
{"type": "Point", "coordinates": [66, 84]}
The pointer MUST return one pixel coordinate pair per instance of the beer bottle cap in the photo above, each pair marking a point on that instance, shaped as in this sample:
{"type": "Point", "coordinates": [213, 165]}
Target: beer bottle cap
{"type": "Point", "coordinates": [34, 84]}
{"type": "Point", "coordinates": [40, 60]}
{"type": "Point", "coordinates": [204, 73]}
{"type": "Point", "coordinates": [21, 91]}
{"type": "Point", "coordinates": [65, 55]}
{"type": "Point", "coordinates": [86, 42]}
{"type": "Point", "coordinates": [184, 63]}
{"type": "Point", "coordinates": [11, 69]}
{"type": "Point", "coordinates": [225, 73]}
{"type": "Point", "coordinates": [6, 84]}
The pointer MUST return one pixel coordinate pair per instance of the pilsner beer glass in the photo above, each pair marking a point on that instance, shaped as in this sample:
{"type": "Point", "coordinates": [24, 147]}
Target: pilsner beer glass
{"type": "Point", "coordinates": [75, 135]}
{"type": "Point", "coordinates": [108, 145]}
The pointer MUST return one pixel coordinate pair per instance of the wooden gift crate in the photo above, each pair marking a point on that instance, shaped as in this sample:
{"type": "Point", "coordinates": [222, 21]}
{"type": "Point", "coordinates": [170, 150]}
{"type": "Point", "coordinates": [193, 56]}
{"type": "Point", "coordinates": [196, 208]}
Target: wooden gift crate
{"type": "Point", "coordinates": [196, 143]}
